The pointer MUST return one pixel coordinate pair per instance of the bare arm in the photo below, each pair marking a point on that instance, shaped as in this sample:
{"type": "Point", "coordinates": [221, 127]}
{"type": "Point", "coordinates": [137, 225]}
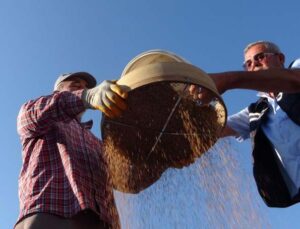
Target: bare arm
{"type": "Point", "coordinates": [271, 80]}
{"type": "Point", "coordinates": [227, 132]}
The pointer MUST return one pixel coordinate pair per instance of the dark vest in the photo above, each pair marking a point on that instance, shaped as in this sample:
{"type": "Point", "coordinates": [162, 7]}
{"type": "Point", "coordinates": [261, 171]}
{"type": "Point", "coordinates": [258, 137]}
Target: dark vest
{"type": "Point", "coordinates": [269, 180]}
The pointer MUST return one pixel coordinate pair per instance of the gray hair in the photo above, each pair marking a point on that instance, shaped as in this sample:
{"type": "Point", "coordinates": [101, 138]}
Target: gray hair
{"type": "Point", "coordinates": [270, 46]}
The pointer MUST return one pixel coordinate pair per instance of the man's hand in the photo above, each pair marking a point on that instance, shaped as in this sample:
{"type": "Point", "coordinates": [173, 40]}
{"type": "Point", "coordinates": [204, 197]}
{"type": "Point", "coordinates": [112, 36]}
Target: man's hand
{"type": "Point", "coordinates": [201, 95]}
{"type": "Point", "coordinates": [107, 97]}
{"type": "Point", "coordinates": [222, 81]}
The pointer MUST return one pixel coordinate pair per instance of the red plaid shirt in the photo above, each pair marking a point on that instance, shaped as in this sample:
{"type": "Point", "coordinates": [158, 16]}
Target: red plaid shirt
{"type": "Point", "coordinates": [63, 170]}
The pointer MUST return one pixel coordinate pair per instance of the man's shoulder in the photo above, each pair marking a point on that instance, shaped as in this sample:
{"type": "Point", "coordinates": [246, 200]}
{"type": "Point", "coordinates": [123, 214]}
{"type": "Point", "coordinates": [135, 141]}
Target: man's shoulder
{"type": "Point", "coordinates": [295, 63]}
{"type": "Point", "coordinates": [30, 102]}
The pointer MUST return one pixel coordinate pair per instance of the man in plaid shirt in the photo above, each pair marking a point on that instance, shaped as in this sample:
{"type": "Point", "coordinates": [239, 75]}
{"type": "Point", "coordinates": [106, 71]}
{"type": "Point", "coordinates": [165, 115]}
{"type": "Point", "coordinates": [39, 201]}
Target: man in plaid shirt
{"type": "Point", "coordinates": [63, 182]}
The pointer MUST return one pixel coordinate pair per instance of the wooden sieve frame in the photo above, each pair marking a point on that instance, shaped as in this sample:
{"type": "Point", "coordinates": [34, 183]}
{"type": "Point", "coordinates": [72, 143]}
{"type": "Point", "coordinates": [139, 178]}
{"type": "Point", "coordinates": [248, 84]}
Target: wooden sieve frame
{"type": "Point", "coordinates": [170, 72]}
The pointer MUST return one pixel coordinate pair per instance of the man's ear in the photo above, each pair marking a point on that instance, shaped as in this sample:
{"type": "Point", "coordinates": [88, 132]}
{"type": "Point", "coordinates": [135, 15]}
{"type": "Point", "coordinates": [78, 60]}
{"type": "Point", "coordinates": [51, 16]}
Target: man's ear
{"type": "Point", "coordinates": [281, 58]}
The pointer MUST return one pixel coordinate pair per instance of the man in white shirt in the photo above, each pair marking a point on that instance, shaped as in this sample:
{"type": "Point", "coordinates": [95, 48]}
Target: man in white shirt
{"type": "Point", "coordinates": [273, 122]}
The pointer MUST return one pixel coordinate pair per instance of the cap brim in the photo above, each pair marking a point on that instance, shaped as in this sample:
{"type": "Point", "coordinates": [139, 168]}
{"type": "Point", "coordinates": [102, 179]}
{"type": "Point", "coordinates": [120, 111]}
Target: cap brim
{"type": "Point", "coordinates": [91, 81]}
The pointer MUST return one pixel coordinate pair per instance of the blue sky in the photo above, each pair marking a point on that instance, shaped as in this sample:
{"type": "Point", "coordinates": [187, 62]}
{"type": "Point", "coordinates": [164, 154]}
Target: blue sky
{"type": "Point", "coordinates": [41, 39]}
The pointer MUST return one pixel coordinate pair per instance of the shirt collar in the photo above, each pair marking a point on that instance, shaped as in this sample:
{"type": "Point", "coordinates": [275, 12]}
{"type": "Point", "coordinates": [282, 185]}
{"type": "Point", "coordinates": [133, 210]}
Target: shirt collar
{"type": "Point", "coordinates": [266, 95]}
{"type": "Point", "coordinates": [272, 101]}
{"type": "Point", "coordinates": [263, 94]}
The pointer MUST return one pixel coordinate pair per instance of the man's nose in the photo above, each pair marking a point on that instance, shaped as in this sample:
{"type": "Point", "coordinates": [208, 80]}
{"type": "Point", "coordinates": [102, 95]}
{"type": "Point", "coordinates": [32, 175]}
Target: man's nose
{"type": "Point", "coordinates": [82, 85]}
{"type": "Point", "coordinates": [254, 64]}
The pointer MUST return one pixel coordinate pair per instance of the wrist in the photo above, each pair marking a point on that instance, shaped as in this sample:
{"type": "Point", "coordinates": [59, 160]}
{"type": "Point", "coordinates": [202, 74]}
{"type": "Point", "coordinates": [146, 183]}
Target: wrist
{"type": "Point", "coordinates": [86, 98]}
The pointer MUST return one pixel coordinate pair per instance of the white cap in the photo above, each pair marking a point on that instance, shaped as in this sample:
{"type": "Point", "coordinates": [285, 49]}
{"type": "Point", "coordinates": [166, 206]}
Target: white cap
{"type": "Point", "coordinates": [91, 81]}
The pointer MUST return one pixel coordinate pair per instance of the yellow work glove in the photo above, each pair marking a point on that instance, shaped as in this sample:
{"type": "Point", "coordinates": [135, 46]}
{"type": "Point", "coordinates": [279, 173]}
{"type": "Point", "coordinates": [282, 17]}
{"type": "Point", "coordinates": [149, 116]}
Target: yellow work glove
{"type": "Point", "coordinates": [107, 97]}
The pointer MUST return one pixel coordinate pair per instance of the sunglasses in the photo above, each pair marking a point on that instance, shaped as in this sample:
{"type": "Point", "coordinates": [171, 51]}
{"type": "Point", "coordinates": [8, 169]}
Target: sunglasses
{"type": "Point", "coordinates": [259, 57]}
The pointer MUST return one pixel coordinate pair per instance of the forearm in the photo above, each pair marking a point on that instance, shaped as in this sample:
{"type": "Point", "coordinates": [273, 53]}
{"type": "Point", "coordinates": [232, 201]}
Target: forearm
{"type": "Point", "coordinates": [38, 116]}
{"type": "Point", "coordinates": [227, 132]}
{"type": "Point", "coordinates": [272, 80]}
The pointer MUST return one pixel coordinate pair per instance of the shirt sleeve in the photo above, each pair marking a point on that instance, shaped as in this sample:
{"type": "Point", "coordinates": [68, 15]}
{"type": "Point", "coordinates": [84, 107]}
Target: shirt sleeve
{"type": "Point", "coordinates": [36, 117]}
{"type": "Point", "coordinates": [239, 122]}
{"type": "Point", "coordinates": [296, 63]}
